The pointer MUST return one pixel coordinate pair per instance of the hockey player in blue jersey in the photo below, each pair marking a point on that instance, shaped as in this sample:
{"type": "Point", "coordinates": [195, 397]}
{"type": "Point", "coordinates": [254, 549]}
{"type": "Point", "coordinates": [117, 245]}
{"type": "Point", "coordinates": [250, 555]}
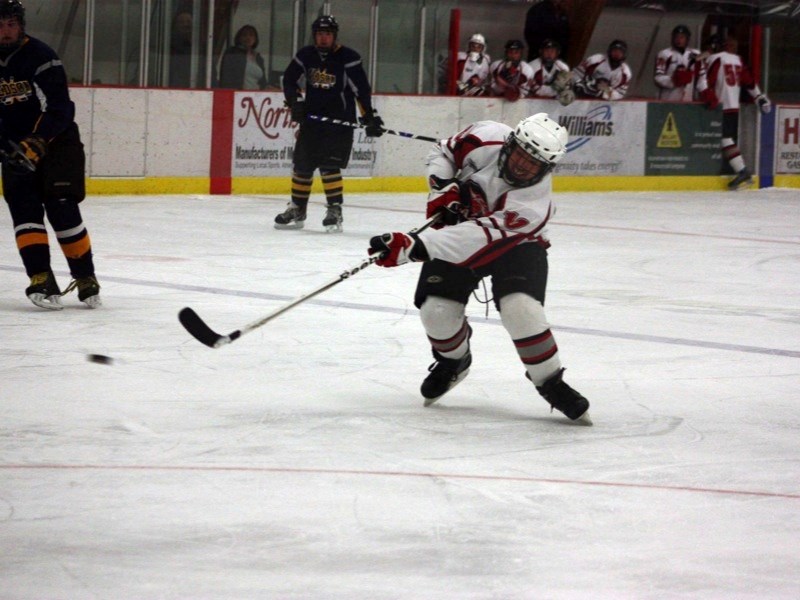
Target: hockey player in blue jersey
{"type": "Point", "coordinates": [44, 162]}
{"type": "Point", "coordinates": [325, 79]}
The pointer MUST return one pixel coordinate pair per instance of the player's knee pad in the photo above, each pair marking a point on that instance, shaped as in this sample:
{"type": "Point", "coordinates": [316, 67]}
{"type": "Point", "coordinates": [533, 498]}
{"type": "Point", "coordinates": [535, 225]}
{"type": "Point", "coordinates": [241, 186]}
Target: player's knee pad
{"type": "Point", "coordinates": [441, 318]}
{"type": "Point", "coordinates": [522, 315]}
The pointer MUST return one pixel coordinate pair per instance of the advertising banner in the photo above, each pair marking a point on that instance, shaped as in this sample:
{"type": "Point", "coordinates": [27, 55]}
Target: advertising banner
{"type": "Point", "coordinates": [683, 139]}
{"type": "Point", "coordinates": [264, 137]}
{"type": "Point", "coordinates": [787, 141]}
{"type": "Point", "coordinates": [604, 139]}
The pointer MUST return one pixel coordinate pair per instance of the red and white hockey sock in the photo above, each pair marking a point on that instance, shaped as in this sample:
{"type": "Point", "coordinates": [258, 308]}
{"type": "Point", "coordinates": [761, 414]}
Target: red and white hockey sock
{"type": "Point", "coordinates": [524, 319]}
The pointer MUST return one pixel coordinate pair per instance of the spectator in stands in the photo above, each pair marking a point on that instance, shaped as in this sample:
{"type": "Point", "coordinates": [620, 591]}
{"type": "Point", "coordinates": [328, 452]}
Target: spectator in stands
{"type": "Point", "coordinates": [180, 61]}
{"type": "Point", "coordinates": [242, 68]}
{"type": "Point", "coordinates": [677, 67]}
{"type": "Point", "coordinates": [725, 77]}
{"type": "Point", "coordinates": [547, 19]}
{"type": "Point", "coordinates": [604, 76]}
{"type": "Point", "coordinates": [551, 76]}
{"type": "Point", "coordinates": [511, 77]}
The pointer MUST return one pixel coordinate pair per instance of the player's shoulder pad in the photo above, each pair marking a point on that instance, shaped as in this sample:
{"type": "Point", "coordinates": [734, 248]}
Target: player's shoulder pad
{"type": "Point", "coordinates": [37, 47]}
{"type": "Point", "coordinates": [490, 131]}
{"type": "Point", "coordinates": [347, 55]}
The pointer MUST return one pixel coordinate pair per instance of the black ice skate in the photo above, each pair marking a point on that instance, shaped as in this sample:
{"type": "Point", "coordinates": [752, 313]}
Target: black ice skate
{"type": "Point", "coordinates": [741, 181]}
{"type": "Point", "coordinates": [88, 290]}
{"type": "Point", "coordinates": [562, 397]}
{"type": "Point", "coordinates": [445, 374]}
{"type": "Point", "coordinates": [43, 291]}
{"type": "Point", "coordinates": [333, 219]}
{"type": "Point", "coordinates": [294, 217]}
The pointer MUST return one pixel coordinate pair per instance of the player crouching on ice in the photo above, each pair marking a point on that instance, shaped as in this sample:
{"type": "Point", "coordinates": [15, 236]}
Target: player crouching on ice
{"type": "Point", "coordinates": [491, 186]}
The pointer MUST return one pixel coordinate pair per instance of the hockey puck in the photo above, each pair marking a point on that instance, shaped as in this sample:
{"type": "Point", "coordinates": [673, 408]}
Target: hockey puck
{"type": "Point", "coordinates": [100, 359]}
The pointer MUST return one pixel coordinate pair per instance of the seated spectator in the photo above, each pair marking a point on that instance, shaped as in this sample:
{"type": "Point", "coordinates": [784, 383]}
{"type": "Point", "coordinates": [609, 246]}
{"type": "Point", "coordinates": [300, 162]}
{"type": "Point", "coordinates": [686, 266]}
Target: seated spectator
{"type": "Point", "coordinates": [677, 68]}
{"type": "Point", "coordinates": [510, 76]}
{"type": "Point", "coordinates": [242, 68]}
{"type": "Point", "coordinates": [551, 76]}
{"type": "Point", "coordinates": [605, 77]}
{"type": "Point", "coordinates": [180, 47]}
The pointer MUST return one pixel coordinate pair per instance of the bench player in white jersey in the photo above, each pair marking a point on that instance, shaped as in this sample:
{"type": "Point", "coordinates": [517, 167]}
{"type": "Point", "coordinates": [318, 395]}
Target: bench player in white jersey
{"type": "Point", "coordinates": [677, 68]}
{"type": "Point", "coordinates": [551, 76]}
{"type": "Point", "coordinates": [605, 77]}
{"type": "Point", "coordinates": [491, 186]}
{"type": "Point", "coordinates": [510, 76]}
{"type": "Point", "coordinates": [473, 68]}
{"type": "Point", "coordinates": [725, 75]}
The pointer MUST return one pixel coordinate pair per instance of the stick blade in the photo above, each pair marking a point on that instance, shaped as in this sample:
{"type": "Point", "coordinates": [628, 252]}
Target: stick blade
{"type": "Point", "coordinates": [192, 322]}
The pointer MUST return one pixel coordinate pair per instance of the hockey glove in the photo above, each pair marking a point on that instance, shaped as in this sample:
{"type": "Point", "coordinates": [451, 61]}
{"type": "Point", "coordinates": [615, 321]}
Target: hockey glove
{"type": "Point", "coordinates": [445, 200]}
{"type": "Point", "coordinates": [27, 154]}
{"type": "Point", "coordinates": [562, 81]}
{"type": "Point", "coordinates": [373, 124]}
{"type": "Point", "coordinates": [682, 77]}
{"type": "Point", "coordinates": [299, 111]}
{"type": "Point", "coordinates": [587, 88]}
{"type": "Point", "coordinates": [566, 97]}
{"type": "Point", "coordinates": [764, 104]}
{"type": "Point", "coordinates": [512, 93]}
{"type": "Point", "coordinates": [394, 249]}
{"type": "Point", "coordinates": [604, 90]}
{"type": "Point", "coordinates": [710, 98]}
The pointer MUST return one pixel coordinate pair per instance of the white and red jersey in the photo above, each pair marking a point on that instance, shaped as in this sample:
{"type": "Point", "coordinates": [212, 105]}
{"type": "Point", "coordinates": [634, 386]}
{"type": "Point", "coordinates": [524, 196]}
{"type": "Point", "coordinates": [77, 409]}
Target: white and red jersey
{"type": "Point", "coordinates": [597, 67]}
{"type": "Point", "coordinates": [670, 60]}
{"type": "Point", "coordinates": [501, 216]}
{"type": "Point", "coordinates": [468, 68]}
{"type": "Point", "coordinates": [726, 75]}
{"type": "Point", "coordinates": [543, 77]}
{"type": "Point", "coordinates": [504, 74]}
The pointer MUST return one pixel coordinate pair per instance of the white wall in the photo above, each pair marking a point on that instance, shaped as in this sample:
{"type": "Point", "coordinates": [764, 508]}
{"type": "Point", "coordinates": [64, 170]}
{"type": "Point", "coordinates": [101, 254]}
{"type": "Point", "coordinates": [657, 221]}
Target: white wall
{"type": "Point", "coordinates": [144, 133]}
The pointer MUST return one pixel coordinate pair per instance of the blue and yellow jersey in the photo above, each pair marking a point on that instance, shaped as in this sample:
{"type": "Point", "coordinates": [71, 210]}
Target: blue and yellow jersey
{"type": "Point", "coordinates": [330, 85]}
{"type": "Point", "coordinates": [34, 97]}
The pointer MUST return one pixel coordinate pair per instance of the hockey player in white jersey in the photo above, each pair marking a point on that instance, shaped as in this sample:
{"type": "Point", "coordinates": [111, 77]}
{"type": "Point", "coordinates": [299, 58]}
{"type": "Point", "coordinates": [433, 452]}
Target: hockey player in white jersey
{"type": "Point", "coordinates": [510, 76]}
{"type": "Point", "coordinates": [604, 76]}
{"type": "Point", "coordinates": [491, 186]}
{"type": "Point", "coordinates": [473, 68]}
{"type": "Point", "coordinates": [677, 68]}
{"type": "Point", "coordinates": [725, 75]}
{"type": "Point", "coordinates": [551, 76]}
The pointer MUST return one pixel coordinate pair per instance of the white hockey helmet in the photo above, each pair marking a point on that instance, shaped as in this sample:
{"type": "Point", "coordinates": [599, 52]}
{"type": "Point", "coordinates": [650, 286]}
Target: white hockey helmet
{"type": "Point", "coordinates": [543, 141]}
{"type": "Point", "coordinates": [478, 38]}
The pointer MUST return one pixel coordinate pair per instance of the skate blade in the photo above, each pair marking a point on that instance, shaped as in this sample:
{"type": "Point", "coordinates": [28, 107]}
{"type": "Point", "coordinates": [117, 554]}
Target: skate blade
{"type": "Point", "coordinates": [333, 228]}
{"type": "Point", "coordinates": [93, 301]}
{"type": "Point", "coordinates": [48, 302]}
{"type": "Point", "coordinates": [459, 379]}
{"type": "Point", "coordinates": [584, 420]}
{"type": "Point", "coordinates": [742, 186]}
{"type": "Point", "coordinates": [292, 225]}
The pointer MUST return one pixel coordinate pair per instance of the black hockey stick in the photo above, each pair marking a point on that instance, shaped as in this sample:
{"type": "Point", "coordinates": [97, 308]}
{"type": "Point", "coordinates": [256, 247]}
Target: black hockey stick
{"type": "Point", "coordinates": [192, 322]}
{"type": "Point", "coordinates": [404, 134]}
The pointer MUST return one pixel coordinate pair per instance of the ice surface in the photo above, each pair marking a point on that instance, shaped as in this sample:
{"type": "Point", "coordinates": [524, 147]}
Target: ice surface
{"type": "Point", "coordinates": [299, 462]}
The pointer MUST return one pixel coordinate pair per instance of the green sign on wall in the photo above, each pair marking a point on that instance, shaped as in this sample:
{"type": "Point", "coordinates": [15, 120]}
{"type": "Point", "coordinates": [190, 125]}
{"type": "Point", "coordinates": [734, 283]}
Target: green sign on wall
{"type": "Point", "coordinates": [683, 139]}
